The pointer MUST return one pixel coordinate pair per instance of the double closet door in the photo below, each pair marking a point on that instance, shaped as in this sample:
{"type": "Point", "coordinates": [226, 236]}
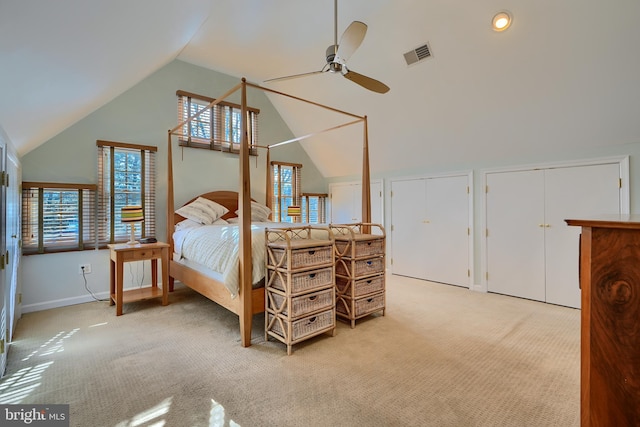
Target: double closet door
{"type": "Point", "coordinates": [346, 202]}
{"type": "Point", "coordinates": [430, 231]}
{"type": "Point", "coordinates": [531, 252]}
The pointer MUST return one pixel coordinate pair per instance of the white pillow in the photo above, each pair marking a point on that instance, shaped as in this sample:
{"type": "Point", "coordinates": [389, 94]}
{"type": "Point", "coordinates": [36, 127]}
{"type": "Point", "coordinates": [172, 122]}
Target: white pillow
{"type": "Point", "coordinates": [264, 210]}
{"type": "Point", "coordinates": [220, 221]}
{"type": "Point", "coordinates": [259, 212]}
{"type": "Point", "coordinates": [217, 210]}
{"type": "Point", "coordinates": [203, 211]}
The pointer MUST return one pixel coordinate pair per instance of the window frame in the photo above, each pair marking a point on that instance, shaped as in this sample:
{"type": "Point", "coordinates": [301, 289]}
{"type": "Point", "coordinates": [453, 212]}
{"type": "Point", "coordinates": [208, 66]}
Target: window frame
{"type": "Point", "coordinates": [33, 223]}
{"type": "Point", "coordinates": [279, 209]}
{"type": "Point", "coordinates": [216, 124]}
{"type": "Point", "coordinates": [321, 211]}
{"type": "Point", "coordinates": [110, 229]}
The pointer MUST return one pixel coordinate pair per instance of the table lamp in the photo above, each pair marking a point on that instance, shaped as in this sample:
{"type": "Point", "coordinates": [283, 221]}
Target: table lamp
{"type": "Point", "coordinates": [294, 211]}
{"type": "Point", "coordinates": [131, 215]}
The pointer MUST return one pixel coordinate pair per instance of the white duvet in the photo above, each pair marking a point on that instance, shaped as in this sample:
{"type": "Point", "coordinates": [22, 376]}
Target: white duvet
{"type": "Point", "coordinates": [216, 247]}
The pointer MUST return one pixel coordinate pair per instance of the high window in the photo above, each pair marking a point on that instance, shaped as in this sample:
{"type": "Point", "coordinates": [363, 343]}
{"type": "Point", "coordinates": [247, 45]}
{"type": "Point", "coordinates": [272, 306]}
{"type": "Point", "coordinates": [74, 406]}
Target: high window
{"type": "Point", "coordinates": [127, 177]}
{"type": "Point", "coordinates": [57, 217]}
{"type": "Point", "coordinates": [217, 127]}
{"type": "Point", "coordinates": [286, 189]}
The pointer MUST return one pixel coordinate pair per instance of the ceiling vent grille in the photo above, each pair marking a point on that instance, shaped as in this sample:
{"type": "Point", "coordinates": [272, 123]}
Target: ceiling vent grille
{"type": "Point", "coordinates": [417, 54]}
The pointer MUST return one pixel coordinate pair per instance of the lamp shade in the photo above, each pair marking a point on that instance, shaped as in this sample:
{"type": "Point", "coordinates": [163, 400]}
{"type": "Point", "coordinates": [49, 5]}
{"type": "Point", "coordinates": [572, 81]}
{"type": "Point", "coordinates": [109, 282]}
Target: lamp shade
{"type": "Point", "coordinates": [131, 214]}
{"type": "Point", "coordinates": [294, 211]}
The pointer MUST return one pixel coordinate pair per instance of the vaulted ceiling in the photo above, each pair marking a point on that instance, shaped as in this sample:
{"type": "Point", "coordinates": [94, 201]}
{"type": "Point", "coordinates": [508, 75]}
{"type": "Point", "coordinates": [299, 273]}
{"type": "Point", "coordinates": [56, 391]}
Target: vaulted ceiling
{"type": "Point", "coordinates": [565, 74]}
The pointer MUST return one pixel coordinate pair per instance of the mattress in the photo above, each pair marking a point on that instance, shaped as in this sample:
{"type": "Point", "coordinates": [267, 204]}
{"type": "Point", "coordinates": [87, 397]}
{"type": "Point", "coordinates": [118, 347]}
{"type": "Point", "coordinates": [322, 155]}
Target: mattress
{"type": "Point", "coordinates": [213, 250]}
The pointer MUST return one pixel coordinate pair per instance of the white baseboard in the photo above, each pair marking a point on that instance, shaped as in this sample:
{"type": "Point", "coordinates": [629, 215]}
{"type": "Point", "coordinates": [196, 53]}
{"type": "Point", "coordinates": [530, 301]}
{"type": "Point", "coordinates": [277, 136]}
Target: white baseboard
{"type": "Point", "coordinates": [479, 288]}
{"type": "Point", "coordinates": [81, 299]}
{"type": "Point", "coordinates": [46, 305]}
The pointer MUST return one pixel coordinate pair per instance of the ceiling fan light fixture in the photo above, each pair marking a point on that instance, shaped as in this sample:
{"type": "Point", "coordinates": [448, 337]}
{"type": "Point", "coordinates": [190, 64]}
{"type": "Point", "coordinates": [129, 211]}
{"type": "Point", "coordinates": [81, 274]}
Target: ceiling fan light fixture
{"type": "Point", "coordinates": [501, 21]}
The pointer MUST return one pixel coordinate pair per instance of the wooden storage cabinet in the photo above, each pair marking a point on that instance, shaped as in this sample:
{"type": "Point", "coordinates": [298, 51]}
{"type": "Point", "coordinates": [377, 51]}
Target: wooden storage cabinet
{"type": "Point", "coordinates": [359, 266]}
{"type": "Point", "coordinates": [610, 320]}
{"type": "Point", "coordinates": [300, 284]}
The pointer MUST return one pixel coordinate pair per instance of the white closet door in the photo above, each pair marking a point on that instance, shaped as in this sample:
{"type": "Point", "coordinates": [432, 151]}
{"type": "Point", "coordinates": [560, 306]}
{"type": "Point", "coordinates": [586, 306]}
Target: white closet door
{"type": "Point", "coordinates": [377, 205]}
{"type": "Point", "coordinates": [515, 240]}
{"type": "Point", "coordinates": [430, 239]}
{"type": "Point", "coordinates": [447, 241]}
{"type": "Point", "coordinates": [342, 204]}
{"type": "Point", "coordinates": [575, 192]}
{"type": "Point", "coordinates": [346, 203]}
{"type": "Point", "coordinates": [408, 235]}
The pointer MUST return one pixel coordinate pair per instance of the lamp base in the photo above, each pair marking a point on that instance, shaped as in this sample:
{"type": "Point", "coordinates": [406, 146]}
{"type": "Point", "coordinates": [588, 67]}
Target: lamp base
{"type": "Point", "coordinates": [132, 241]}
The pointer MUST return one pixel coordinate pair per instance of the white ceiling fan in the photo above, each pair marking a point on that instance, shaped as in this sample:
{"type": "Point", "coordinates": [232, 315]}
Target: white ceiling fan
{"type": "Point", "coordinates": [338, 53]}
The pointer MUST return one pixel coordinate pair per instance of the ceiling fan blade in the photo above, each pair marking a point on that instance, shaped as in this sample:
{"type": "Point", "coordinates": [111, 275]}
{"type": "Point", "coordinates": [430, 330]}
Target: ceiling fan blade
{"type": "Point", "coordinates": [350, 40]}
{"type": "Point", "coordinates": [367, 82]}
{"type": "Point", "coordinates": [295, 76]}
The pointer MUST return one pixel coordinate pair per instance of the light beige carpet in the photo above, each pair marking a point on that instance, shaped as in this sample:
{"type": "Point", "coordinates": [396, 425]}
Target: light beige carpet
{"type": "Point", "coordinates": [442, 356]}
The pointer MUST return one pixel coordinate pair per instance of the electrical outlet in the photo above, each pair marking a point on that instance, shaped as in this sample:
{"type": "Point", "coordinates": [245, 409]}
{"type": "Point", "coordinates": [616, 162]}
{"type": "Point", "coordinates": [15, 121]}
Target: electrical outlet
{"type": "Point", "coordinates": [84, 268]}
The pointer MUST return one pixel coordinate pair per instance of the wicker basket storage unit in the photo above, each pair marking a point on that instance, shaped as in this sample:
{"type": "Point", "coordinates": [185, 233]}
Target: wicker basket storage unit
{"type": "Point", "coordinates": [301, 329]}
{"type": "Point", "coordinates": [356, 308]}
{"type": "Point", "coordinates": [359, 269]}
{"type": "Point", "coordinates": [300, 284]}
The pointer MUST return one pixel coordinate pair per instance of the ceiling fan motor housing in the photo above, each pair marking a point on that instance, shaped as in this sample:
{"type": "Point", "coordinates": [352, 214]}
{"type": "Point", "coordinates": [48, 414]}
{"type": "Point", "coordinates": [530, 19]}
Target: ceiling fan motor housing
{"type": "Point", "coordinates": [331, 56]}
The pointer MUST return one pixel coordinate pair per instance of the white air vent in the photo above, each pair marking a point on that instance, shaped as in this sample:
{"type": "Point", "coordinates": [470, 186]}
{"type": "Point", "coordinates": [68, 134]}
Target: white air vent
{"type": "Point", "coordinates": [417, 54]}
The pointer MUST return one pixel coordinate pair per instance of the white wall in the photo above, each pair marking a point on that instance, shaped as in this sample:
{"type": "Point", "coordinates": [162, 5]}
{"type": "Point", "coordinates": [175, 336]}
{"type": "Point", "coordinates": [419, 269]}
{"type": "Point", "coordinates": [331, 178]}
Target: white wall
{"type": "Point", "coordinates": [559, 155]}
{"type": "Point", "coordinates": [143, 115]}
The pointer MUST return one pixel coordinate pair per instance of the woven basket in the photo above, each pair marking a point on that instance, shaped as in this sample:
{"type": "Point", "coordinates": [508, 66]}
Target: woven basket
{"type": "Point", "coordinates": [305, 303]}
{"type": "Point", "coordinates": [360, 307]}
{"type": "Point", "coordinates": [360, 248]}
{"type": "Point", "coordinates": [363, 267]}
{"type": "Point", "coordinates": [303, 281]}
{"type": "Point", "coordinates": [304, 327]}
{"type": "Point", "coordinates": [360, 287]}
{"type": "Point", "coordinates": [304, 257]}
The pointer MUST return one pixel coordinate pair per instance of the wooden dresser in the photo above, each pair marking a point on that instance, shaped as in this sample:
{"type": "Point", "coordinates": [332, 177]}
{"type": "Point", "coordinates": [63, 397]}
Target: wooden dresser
{"type": "Point", "coordinates": [300, 282]}
{"type": "Point", "coordinates": [360, 264]}
{"type": "Point", "coordinates": [610, 324]}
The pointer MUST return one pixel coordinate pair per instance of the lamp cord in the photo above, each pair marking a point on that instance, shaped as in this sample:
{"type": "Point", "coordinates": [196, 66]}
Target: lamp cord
{"type": "Point", "coordinates": [86, 286]}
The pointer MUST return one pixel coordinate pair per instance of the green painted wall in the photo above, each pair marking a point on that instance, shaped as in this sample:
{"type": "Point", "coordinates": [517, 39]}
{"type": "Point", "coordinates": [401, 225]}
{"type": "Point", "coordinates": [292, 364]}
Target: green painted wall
{"type": "Point", "coordinates": [143, 115]}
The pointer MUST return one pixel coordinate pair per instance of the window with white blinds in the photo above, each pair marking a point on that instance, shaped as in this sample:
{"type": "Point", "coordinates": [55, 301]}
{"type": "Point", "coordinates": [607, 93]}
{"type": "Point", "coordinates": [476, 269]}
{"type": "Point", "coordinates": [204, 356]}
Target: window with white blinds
{"type": "Point", "coordinates": [216, 128]}
{"type": "Point", "coordinates": [127, 177]}
{"type": "Point", "coordinates": [58, 217]}
{"type": "Point", "coordinates": [286, 189]}
{"type": "Point", "coordinates": [314, 208]}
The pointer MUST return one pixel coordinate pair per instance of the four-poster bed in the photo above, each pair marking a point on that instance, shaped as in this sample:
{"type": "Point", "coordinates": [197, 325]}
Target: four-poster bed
{"type": "Point", "coordinates": [249, 301]}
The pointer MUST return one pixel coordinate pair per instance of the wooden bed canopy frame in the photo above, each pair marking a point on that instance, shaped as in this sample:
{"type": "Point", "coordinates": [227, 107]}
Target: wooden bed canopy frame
{"type": "Point", "coordinates": [249, 301]}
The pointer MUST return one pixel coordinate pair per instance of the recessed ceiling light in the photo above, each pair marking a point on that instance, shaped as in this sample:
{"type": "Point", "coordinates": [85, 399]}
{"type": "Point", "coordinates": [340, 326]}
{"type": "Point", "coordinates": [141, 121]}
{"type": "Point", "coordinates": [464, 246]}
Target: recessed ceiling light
{"type": "Point", "coordinates": [501, 21]}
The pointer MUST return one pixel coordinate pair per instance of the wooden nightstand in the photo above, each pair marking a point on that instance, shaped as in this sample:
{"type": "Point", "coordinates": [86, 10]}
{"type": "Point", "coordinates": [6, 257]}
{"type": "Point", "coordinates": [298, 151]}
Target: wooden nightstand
{"type": "Point", "coordinates": [121, 253]}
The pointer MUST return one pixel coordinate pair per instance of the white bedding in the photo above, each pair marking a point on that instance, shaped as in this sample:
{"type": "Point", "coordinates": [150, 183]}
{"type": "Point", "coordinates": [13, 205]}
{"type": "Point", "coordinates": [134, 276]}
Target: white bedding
{"type": "Point", "coordinates": [216, 248]}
